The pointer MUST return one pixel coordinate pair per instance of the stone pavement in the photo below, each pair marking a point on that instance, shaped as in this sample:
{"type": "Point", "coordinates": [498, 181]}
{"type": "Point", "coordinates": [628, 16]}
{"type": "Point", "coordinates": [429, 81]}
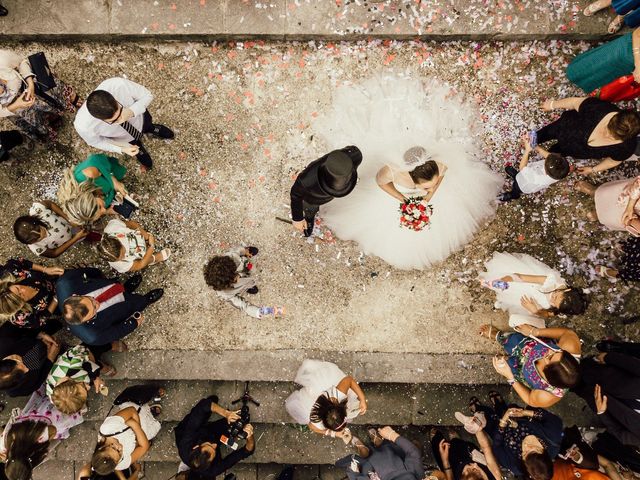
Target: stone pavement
{"type": "Point", "coordinates": [301, 19]}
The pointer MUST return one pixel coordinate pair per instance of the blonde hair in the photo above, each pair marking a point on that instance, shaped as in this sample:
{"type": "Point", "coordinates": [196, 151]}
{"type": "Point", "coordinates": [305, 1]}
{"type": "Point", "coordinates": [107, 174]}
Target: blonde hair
{"type": "Point", "coordinates": [79, 201]}
{"type": "Point", "coordinates": [68, 398]}
{"type": "Point", "coordinates": [10, 303]}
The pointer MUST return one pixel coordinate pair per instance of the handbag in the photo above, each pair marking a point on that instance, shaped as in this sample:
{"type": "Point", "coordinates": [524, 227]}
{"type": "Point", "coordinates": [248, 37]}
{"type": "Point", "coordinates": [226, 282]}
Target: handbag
{"type": "Point", "coordinates": [44, 79]}
{"type": "Point", "coordinates": [623, 88]}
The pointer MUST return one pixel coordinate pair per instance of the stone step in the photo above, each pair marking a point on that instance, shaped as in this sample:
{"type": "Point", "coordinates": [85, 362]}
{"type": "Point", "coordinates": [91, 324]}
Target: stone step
{"type": "Point", "coordinates": [282, 365]}
{"type": "Point", "coordinates": [388, 404]}
{"type": "Point", "coordinates": [62, 470]}
{"type": "Point", "coordinates": [298, 20]}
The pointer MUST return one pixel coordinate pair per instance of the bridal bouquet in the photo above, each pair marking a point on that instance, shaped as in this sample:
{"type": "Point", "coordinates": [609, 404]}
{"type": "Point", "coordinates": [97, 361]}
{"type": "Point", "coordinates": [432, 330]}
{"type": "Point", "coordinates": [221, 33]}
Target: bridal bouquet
{"type": "Point", "coordinates": [415, 215]}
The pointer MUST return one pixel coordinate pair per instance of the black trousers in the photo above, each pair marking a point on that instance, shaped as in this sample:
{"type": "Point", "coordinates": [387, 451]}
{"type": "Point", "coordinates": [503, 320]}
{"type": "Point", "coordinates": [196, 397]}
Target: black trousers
{"type": "Point", "coordinates": [8, 140]}
{"type": "Point", "coordinates": [515, 188]}
{"type": "Point", "coordinates": [310, 211]}
{"type": "Point", "coordinates": [147, 126]}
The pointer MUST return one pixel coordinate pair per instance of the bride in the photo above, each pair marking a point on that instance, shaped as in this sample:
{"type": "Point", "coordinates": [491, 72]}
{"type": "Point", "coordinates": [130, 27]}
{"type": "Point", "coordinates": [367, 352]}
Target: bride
{"type": "Point", "coordinates": [417, 140]}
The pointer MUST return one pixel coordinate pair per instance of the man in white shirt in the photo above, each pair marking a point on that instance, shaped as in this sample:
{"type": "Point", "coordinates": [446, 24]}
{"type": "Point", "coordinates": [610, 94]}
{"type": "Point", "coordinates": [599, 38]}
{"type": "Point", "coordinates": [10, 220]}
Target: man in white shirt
{"type": "Point", "coordinates": [536, 176]}
{"type": "Point", "coordinates": [114, 117]}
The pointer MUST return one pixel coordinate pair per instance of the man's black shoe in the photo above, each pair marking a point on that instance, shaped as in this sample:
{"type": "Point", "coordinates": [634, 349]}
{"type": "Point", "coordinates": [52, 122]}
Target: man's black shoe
{"type": "Point", "coordinates": [133, 283]}
{"type": "Point", "coordinates": [160, 131]}
{"type": "Point", "coordinates": [154, 295]}
{"type": "Point", "coordinates": [505, 197]}
{"type": "Point", "coordinates": [253, 290]}
{"type": "Point", "coordinates": [144, 158]}
{"type": "Point", "coordinates": [253, 251]}
{"type": "Point", "coordinates": [511, 171]}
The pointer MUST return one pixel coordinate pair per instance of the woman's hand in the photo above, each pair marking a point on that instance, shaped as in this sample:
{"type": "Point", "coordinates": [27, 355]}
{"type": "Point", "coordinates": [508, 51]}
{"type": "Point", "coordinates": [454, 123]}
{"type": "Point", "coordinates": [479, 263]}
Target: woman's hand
{"type": "Point", "coordinates": [118, 186]}
{"type": "Point", "coordinates": [601, 400]}
{"type": "Point", "coordinates": [530, 304]}
{"type": "Point", "coordinates": [363, 406]}
{"type": "Point", "coordinates": [502, 367]}
{"type": "Point", "coordinates": [232, 416]}
{"type": "Point", "coordinates": [548, 105]}
{"type": "Point", "coordinates": [21, 103]}
{"type": "Point", "coordinates": [443, 448]}
{"type": "Point", "coordinates": [30, 92]}
{"type": "Point", "coordinates": [601, 357]}
{"type": "Point", "coordinates": [526, 329]}
{"type": "Point", "coordinates": [515, 412]}
{"type": "Point", "coordinates": [388, 433]}
{"type": "Point", "coordinates": [98, 383]}
{"type": "Point", "coordinates": [53, 271]}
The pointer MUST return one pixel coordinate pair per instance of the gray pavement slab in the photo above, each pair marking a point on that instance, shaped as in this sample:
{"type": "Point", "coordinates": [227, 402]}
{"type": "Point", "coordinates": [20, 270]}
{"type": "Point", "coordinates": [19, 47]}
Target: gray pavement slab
{"type": "Point", "coordinates": [300, 19]}
{"type": "Point", "coordinates": [55, 470]}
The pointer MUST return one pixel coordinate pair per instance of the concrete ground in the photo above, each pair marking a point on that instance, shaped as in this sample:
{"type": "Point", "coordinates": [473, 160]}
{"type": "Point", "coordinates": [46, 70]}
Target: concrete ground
{"type": "Point", "coordinates": [243, 115]}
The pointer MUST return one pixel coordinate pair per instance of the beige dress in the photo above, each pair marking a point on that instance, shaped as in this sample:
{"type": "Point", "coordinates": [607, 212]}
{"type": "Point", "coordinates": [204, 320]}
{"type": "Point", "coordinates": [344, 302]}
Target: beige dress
{"type": "Point", "coordinates": [611, 199]}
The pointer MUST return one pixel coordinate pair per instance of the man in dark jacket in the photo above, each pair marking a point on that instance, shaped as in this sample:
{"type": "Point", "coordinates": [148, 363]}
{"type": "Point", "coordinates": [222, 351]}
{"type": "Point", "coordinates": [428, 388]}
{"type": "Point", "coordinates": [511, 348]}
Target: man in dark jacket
{"type": "Point", "coordinates": [332, 176]}
{"type": "Point", "coordinates": [26, 358]}
{"type": "Point", "coordinates": [100, 310]}
{"type": "Point", "coordinates": [199, 440]}
{"type": "Point", "coordinates": [393, 457]}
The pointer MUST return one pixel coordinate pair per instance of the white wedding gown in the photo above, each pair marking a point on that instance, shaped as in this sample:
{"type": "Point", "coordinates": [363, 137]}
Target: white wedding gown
{"type": "Point", "coordinates": [385, 116]}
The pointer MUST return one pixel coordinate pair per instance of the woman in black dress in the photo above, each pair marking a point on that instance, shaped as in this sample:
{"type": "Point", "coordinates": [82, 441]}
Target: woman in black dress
{"type": "Point", "coordinates": [459, 459]}
{"type": "Point", "coordinates": [628, 265]}
{"type": "Point", "coordinates": [591, 128]}
{"type": "Point", "coordinates": [27, 293]}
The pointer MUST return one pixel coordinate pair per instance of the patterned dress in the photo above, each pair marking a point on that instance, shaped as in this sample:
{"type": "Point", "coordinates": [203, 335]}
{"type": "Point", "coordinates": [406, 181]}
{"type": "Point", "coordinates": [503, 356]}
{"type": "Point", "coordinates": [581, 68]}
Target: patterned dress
{"type": "Point", "coordinates": [75, 364]}
{"type": "Point", "coordinates": [59, 231]}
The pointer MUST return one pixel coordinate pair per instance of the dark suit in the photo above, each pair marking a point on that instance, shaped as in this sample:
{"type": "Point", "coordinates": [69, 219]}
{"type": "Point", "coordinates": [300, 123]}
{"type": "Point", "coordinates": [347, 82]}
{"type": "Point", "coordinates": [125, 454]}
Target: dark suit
{"type": "Point", "coordinates": [307, 194]}
{"type": "Point", "coordinates": [110, 324]}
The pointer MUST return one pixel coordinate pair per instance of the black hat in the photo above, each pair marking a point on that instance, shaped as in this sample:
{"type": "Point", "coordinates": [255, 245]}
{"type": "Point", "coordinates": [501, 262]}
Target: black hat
{"type": "Point", "coordinates": [337, 175]}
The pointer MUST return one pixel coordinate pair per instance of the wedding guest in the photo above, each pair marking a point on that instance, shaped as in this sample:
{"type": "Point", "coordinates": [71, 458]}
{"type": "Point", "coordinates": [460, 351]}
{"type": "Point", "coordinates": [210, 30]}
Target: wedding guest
{"type": "Point", "coordinates": [101, 310]}
{"type": "Point", "coordinates": [628, 265]}
{"type": "Point", "coordinates": [25, 359]}
{"type": "Point", "coordinates": [610, 385]}
{"type": "Point", "coordinates": [564, 470]}
{"type": "Point", "coordinates": [530, 290]}
{"type": "Point", "coordinates": [46, 230]}
{"type": "Point", "coordinates": [27, 293]}
{"type": "Point", "coordinates": [537, 176]}
{"type": "Point", "coordinates": [82, 203]}
{"type": "Point", "coordinates": [541, 363]}
{"type": "Point", "coordinates": [71, 378]}
{"type": "Point", "coordinates": [35, 116]}
{"type": "Point", "coordinates": [8, 141]}
{"type": "Point", "coordinates": [230, 276]}
{"type": "Point", "coordinates": [124, 436]}
{"type": "Point", "coordinates": [523, 441]}
{"type": "Point", "coordinates": [576, 450]}
{"type": "Point", "coordinates": [31, 433]}
{"type": "Point", "coordinates": [461, 460]}
{"type": "Point", "coordinates": [128, 247]}
{"type": "Point", "coordinates": [104, 172]}
{"type": "Point", "coordinates": [392, 457]}
{"type": "Point", "coordinates": [627, 13]}
{"type": "Point", "coordinates": [331, 176]}
{"type": "Point", "coordinates": [328, 399]}
{"type": "Point", "coordinates": [602, 65]}
{"type": "Point", "coordinates": [199, 440]}
{"type": "Point", "coordinates": [616, 202]}
{"type": "Point", "coordinates": [3, 11]}
{"type": "Point", "coordinates": [115, 117]}
{"type": "Point", "coordinates": [590, 128]}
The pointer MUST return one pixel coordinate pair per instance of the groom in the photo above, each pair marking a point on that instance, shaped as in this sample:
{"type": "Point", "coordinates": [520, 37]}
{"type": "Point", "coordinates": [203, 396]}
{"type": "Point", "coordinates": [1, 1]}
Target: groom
{"type": "Point", "coordinates": [332, 176]}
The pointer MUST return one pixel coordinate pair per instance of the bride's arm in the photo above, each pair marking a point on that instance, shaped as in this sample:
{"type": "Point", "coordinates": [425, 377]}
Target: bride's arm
{"type": "Point", "coordinates": [384, 177]}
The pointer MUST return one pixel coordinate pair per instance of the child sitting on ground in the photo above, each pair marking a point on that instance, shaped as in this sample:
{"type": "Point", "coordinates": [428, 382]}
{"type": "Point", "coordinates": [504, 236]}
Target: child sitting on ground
{"type": "Point", "coordinates": [128, 247]}
{"type": "Point", "coordinates": [230, 277]}
{"type": "Point", "coordinates": [537, 176]}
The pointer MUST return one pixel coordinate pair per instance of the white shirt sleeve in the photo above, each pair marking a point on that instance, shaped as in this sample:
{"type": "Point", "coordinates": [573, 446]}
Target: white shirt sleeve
{"type": "Point", "coordinates": [95, 140]}
{"type": "Point", "coordinates": [142, 96]}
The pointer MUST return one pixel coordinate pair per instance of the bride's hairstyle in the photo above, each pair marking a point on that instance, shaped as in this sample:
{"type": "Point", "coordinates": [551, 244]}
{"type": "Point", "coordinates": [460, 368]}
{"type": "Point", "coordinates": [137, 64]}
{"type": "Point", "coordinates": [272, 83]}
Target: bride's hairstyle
{"type": "Point", "coordinates": [424, 172]}
{"type": "Point", "coordinates": [331, 415]}
{"type": "Point", "coordinates": [574, 302]}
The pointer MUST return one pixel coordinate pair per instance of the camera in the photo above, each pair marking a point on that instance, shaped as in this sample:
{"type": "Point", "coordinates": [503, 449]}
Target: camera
{"type": "Point", "coordinates": [236, 429]}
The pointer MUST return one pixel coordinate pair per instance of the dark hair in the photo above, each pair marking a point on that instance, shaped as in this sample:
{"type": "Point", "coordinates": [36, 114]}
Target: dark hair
{"type": "Point", "coordinates": [24, 449]}
{"type": "Point", "coordinates": [102, 463]}
{"type": "Point", "coordinates": [426, 171]}
{"type": "Point", "coordinates": [556, 166]}
{"type": "Point", "coordinates": [10, 376]}
{"type": "Point", "coordinates": [470, 475]}
{"type": "Point", "coordinates": [538, 466]}
{"type": "Point", "coordinates": [220, 273]}
{"type": "Point", "coordinates": [199, 460]}
{"type": "Point", "coordinates": [565, 373]}
{"type": "Point", "coordinates": [574, 302]}
{"type": "Point", "coordinates": [27, 229]}
{"type": "Point", "coordinates": [73, 310]}
{"type": "Point", "coordinates": [331, 415]}
{"type": "Point", "coordinates": [101, 104]}
{"type": "Point", "coordinates": [625, 125]}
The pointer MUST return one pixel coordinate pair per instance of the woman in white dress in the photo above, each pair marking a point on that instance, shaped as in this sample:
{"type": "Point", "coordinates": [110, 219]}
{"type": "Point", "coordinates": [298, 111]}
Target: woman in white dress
{"type": "Point", "coordinates": [328, 400]}
{"type": "Point", "coordinates": [124, 436]}
{"type": "Point", "coordinates": [534, 290]}
{"type": "Point", "coordinates": [399, 124]}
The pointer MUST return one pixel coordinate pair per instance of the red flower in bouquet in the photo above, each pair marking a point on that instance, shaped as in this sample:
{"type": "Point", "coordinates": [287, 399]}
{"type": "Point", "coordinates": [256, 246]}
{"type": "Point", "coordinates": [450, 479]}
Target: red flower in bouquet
{"type": "Point", "coordinates": [249, 266]}
{"type": "Point", "coordinates": [414, 214]}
